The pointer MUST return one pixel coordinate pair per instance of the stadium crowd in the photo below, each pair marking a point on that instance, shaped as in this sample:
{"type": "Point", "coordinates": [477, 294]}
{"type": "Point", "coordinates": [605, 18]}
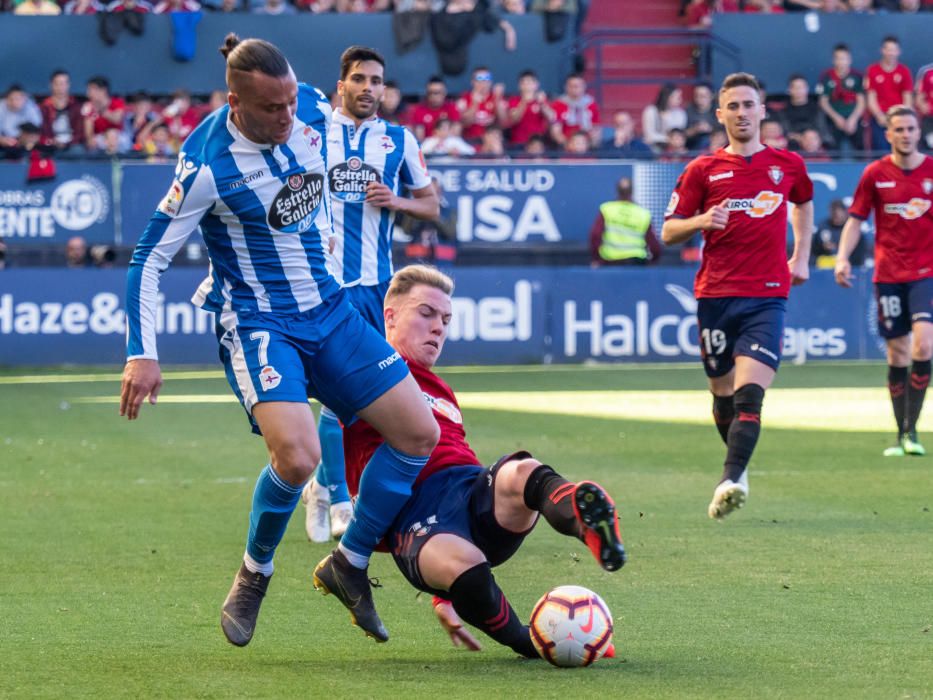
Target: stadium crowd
{"type": "Point", "coordinates": [698, 14]}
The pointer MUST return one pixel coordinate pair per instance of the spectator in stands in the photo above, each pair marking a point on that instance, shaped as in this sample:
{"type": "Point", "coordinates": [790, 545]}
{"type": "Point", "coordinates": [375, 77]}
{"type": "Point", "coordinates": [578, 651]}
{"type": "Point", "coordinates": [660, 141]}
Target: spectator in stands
{"type": "Point", "coordinates": [536, 145]}
{"type": "Point", "coordinates": [492, 144]}
{"type": "Point", "coordinates": [811, 146]}
{"type": "Point", "coordinates": [574, 111]}
{"type": "Point", "coordinates": [528, 113]}
{"type": "Point", "coordinates": [112, 143]}
{"type": "Point", "coordinates": [140, 7]}
{"type": "Point", "coordinates": [622, 233]}
{"type": "Point", "coordinates": [181, 116]}
{"type": "Point", "coordinates": [701, 117]}
{"type": "Point", "coordinates": [37, 7]}
{"type": "Point", "coordinates": [362, 6]}
{"type": "Point", "coordinates": [140, 117]}
{"type": "Point", "coordinates": [482, 106]}
{"type": "Point", "coordinates": [62, 126]}
{"type": "Point", "coordinates": [665, 114]}
{"type": "Point", "coordinates": [826, 241]}
{"type": "Point", "coordinates": [925, 102]}
{"type": "Point", "coordinates": [435, 107]}
{"type": "Point", "coordinates": [698, 14]}
{"type": "Point", "coordinates": [166, 6]}
{"type": "Point", "coordinates": [772, 134]}
{"type": "Point", "coordinates": [392, 109]}
{"type": "Point", "coordinates": [623, 143]}
{"type": "Point", "coordinates": [443, 141]}
{"type": "Point", "coordinates": [909, 6]}
{"type": "Point", "coordinates": [887, 83]}
{"type": "Point", "coordinates": [559, 17]}
{"type": "Point", "coordinates": [676, 147]}
{"type": "Point", "coordinates": [842, 99]}
{"type": "Point", "coordinates": [766, 7]}
{"type": "Point", "coordinates": [17, 108]}
{"type": "Point", "coordinates": [861, 7]}
{"type": "Point", "coordinates": [217, 99]}
{"type": "Point", "coordinates": [3, 255]}
{"type": "Point", "coordinates": [101, 112]}
{"type": "Point", "coordinates": [717, 140]}
{"type": "Point", "coordinates": [102, 256]}
{"type": "Point", "coordinates": [76, 252]}
{"type": "Point", "coordinates": [159, 143]}
{"type": "Point", "coordinates": [801, 111]}
{"type": "Point", "coordinates": [82, 7]}
{"type": "Point", "coordinates": [26, 140]}
{"type": "Point", "coordinates": [275, 7]}
{"type": "Point", "coordinates": [514, 7]}
{"type": "Point", "coordinates": [577, 145]}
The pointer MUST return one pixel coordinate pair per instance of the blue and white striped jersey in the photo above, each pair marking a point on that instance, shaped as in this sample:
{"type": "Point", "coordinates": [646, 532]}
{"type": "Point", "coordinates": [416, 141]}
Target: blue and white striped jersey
{"type": "Point", "coordinates": [375, 152]}
{"type": "Point", "coordinates": [264, 213]}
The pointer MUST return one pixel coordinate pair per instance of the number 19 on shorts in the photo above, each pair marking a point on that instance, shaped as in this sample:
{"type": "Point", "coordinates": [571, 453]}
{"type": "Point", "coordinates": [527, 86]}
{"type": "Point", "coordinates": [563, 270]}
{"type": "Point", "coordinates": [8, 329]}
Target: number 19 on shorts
{"type": "Point", "coordinates": [714, 341]}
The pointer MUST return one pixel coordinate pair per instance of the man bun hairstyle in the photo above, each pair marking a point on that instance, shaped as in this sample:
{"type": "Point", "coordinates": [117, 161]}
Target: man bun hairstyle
{"type": "Point", "coordinates": [405, 279]}
{"type": "Point", "coordinates": [254, 55]}
{"type": "Point", "coordinates": [358, 54]}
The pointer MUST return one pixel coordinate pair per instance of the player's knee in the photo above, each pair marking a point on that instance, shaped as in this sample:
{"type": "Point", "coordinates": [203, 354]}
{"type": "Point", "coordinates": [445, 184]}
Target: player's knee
{"type": "Point", "coordinates": [923, 347]}
{"type": "Point", "coordinates": [512, 477]}
{"type": "Point", "coordinates": [295, 461]}
{"type": "Point", "coordinates": [445, 558]}
{"type": "Point", "coordinates": [420, 440]}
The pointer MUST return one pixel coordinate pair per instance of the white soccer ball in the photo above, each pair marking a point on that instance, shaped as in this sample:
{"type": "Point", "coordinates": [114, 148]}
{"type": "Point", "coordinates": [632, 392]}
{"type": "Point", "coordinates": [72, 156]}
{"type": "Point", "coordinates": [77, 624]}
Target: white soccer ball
{"type": "Point", "coordinates": [571, 626]}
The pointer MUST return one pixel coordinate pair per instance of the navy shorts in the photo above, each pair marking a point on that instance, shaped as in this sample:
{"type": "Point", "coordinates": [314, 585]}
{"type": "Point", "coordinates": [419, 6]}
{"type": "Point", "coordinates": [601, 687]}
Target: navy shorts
{"type": "Point", "coordinates": [456, 501]}
{"type": "Point", "coordinates": [368, 300]}
{"type": "Point", "coordinates": [900, 305]}
{"type": "Point", "coordinates": [329, 353]}
{"type": "Point", "coordinates": [731, 326]}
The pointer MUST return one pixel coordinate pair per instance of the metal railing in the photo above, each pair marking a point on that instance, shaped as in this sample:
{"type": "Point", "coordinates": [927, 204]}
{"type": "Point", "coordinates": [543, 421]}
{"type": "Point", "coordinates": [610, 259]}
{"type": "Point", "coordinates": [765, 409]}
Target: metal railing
{"type": "Point", "coordinates": [705, 45]}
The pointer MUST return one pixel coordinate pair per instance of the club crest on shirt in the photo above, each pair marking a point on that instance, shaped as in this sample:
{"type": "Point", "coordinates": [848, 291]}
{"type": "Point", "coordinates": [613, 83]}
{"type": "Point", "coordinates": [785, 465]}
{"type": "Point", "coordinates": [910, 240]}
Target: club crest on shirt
{"type": "Point", "coordinates": [386, 144]}
{"type": "Point", "coordinates": [927, 185]}
{"type": "Point", "coordinates": [312, 137]}
{"type": "Point", "coordinates": [776, 174]}
{"type": "Point", "coordinates": [269, 378]}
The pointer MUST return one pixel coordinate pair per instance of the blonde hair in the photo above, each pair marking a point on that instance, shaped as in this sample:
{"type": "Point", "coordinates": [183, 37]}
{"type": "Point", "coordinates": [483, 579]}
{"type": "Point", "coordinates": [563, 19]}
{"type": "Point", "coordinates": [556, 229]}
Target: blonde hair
{"type": "Point", "coordinates": [406, 278]}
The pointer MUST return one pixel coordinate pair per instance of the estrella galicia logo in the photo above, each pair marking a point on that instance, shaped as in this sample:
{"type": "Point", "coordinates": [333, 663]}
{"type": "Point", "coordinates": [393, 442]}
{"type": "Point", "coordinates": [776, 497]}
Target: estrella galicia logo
{"type": "Point", "coordinates": [348, 181]}
{"type": "Point", "coordinates": [295, 205]}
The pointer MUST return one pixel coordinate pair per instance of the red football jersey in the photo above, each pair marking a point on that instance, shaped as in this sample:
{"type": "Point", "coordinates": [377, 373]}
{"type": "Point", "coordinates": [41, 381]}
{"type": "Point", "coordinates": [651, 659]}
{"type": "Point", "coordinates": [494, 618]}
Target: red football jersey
{"type": "Point", "coordinates": [360, 440]}
{"type": "Point", "coordinates": [889, 87]}
{"type": "Point", "coordinates": [925, 86]}
{"type": "Point", "coordinates": [429, 116]}
{"type": "Point", "coordinates": [901, 201]}
{"type": "Point", "coordinates": [749, 257]}
{"type": "Point", "coordinates": [531, 123]}
{"type": "Point", "coordinates": [484, 116]}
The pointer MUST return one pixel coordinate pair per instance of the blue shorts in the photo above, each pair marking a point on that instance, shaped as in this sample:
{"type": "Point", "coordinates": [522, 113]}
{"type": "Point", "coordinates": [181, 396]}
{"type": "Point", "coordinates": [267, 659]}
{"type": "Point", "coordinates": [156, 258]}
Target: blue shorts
{"type": "Point", "coordinates": [368, 301]}
{"type": "Point", "coordinates": [456, 501]}
{"type": "Point", "coordinates": [748, 326]}
{"type": "Point", "coordinates": [329, 353]}
{"type": "Point", "coordinates": [900, 305]}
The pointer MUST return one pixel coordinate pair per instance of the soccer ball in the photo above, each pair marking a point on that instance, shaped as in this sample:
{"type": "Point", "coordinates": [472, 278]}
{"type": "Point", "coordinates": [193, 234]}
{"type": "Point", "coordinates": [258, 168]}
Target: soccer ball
{"type": "Point", "coordinates": [571, 626]}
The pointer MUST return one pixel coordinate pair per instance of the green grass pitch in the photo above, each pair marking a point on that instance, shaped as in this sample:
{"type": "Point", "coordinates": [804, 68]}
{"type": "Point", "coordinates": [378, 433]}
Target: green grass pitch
{"type": "Point", "coordinates": [119, 542]}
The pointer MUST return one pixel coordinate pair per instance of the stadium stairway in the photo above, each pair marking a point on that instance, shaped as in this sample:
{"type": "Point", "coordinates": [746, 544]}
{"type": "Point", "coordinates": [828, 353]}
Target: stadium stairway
{"type": "Point", "coordinates": [650, 63]}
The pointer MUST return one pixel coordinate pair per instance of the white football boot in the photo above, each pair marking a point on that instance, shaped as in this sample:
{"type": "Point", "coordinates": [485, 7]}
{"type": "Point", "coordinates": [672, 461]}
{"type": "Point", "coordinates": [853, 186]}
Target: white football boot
{"type": "Point", "coordinates": [317, 504]}
{"type": "Point", "coordinates": [340, 516]}
{"type": "Point", "coordinates": [729, 496]}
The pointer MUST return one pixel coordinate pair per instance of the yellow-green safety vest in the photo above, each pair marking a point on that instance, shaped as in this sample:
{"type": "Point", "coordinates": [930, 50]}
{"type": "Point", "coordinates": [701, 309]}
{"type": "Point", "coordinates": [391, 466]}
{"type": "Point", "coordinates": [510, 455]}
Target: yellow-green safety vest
{"type": "Point", "coordinates": [624, 235]}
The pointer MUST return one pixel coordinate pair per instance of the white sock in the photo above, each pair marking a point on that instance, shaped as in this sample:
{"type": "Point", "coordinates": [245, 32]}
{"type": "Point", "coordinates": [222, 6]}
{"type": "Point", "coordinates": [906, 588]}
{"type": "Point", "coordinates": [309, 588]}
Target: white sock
{"type": "Point", "coordinates": [356, 560]}
{"type": "Point", "coordinates": [257, 568]}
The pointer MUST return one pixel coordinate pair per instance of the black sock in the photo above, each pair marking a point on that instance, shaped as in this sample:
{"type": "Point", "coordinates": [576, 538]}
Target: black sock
{"type": "Point", "coordinates": [916, 390]}
{"type": "Point", "coordinates": [723, 413]}
{"type": "Point", "coordinates": [897, 387]}
{"type": "Point", "coordinates": [478, 600]}
{"type": "Point", "coordinates": [744, 431]}
{"type": "Point", "coordinates": [550, 494]}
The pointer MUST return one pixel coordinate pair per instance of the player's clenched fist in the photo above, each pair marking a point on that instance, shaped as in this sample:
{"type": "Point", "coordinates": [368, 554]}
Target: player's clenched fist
{"type": "Point", "coordinates": [843, 273]}
{"type": "Point", "coordinates": [716, 218]}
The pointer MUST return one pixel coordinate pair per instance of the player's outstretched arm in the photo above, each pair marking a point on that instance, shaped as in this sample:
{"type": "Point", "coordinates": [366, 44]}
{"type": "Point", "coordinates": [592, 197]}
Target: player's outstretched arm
{"type": "Point", "coordinates": [851, 233]}
{"type": "Point", "coordinates": [453, 625]}
{"type": "Point", "coordinates": [801, 221]}
{"type": "Point", "coordinates": [141, 378]}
